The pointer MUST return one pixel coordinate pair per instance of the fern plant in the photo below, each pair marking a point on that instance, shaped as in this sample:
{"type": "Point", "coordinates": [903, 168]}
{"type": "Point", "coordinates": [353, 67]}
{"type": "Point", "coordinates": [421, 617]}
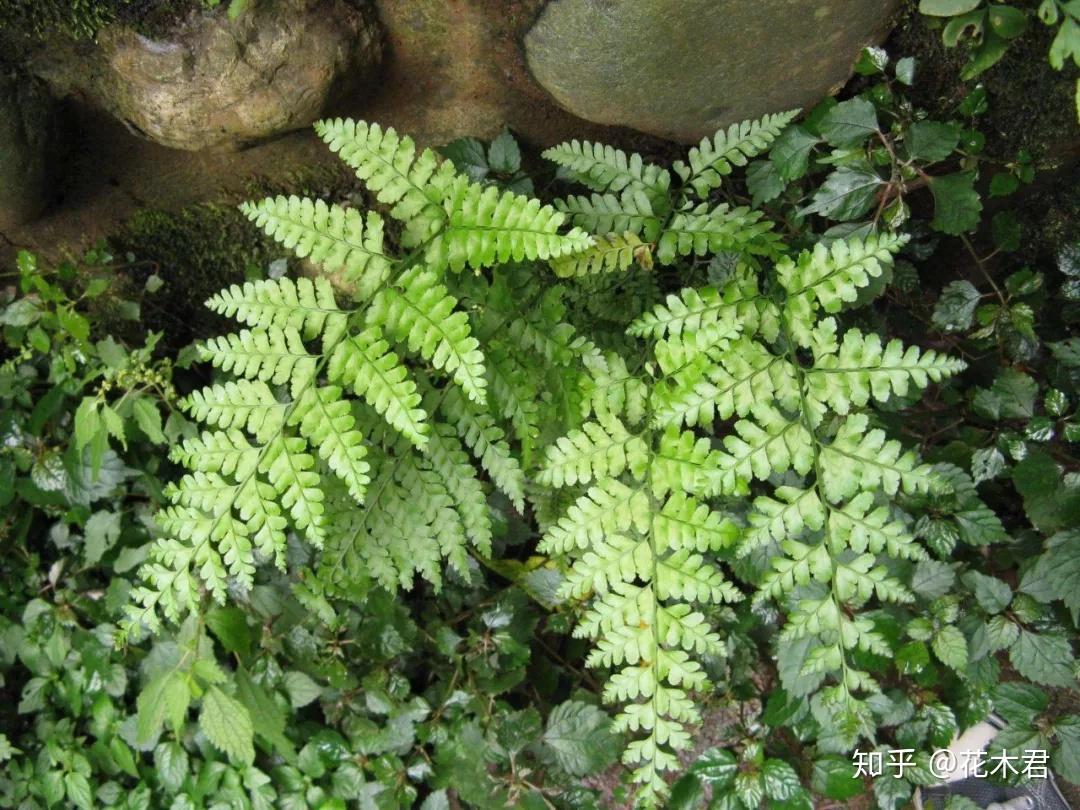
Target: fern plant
{"type": "Point", "coordinates": [746, 392]}
{"type": "Point", "coordinates": [366, 417]}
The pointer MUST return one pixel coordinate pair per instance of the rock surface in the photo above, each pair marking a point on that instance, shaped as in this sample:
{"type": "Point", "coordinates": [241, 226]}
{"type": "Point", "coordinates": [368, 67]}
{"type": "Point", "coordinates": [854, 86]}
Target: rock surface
{"type": "Point", "coordinates": [27, 128]}
{"type": "Point", "coordinates": [681, 69]}
{"type": "Point", "coordinates": [223, 83]}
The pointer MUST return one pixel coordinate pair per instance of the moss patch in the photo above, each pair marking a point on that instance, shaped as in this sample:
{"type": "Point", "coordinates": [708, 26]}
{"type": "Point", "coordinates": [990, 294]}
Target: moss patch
{"type": "Point", "coordinates": [82, 19]}
{"type": "Point", "coordinates": [1031, 104]}
{"type": "Point", "coordinates": [196, 252]}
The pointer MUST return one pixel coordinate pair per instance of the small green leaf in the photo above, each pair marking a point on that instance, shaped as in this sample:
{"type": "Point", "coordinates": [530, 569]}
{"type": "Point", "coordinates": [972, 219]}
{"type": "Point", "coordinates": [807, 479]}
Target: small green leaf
{"type": "Point", "coordinates": [579, 738]}
{"type": "Point", "coordinates": [957, 206]}
{"type": "Point", "coordinates": [227, 725]}
{"type": "Point", "coordinates": [987, 464]}
{"type": "Point", "coordinates": [101, 532]}
{"type": "Point", "coordinates": [932, 141]}
{"type": "Point", "coordinates": [78, 790]}
{"type": "Point", "coordinates": [790, 153]}
{"type": "Point", "coordinates": [847, 193]}
{"type": "Point", "coordinates": [932, 578]}
{"type": "Point", "coordinates": [834, 777]}
{"type": "Point", "coordinates": [849, 123]}
{"type": "Point", "coordinates": [955, 309]}
{"type": "Point", "coordinates": [905, 70]}
{"type": "Point", "coordinates": [716, 767]}
{"type": "Point", "coordinates": [947, 8]}
{"type": "Point", "coordinates": [87, 422]}
{"type": "Point", "coordinates": [1045, 658]}
{"type": "Point", "coordinates": [171, 764]}
{"type": "Point", "coordinates": [1019, 703]}
{"type": "Point", "coordinates": [230, 626]}
{"type": "Point", "coordinates": [950, 647]}
{"type": "Point", "coordinates": [1008, 22]}
{"type": "Point", "coordinates": [991, 593]}
{"type": "Point", "coordinates": [301, 688]}
{"type": "Point", "coordinates": [148, 418]}
{"type": "Point", "coordinates": [504, 156]}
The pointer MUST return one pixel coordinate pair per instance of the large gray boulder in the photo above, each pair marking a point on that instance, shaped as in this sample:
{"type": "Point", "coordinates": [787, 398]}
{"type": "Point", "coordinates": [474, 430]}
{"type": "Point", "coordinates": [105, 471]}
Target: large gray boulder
{"type": "Point", "coordinates": [27, 129]}
{"type": "Point", "coordinates": [222, 83]}
{"type": "Point", "coordinates": [682, 69]}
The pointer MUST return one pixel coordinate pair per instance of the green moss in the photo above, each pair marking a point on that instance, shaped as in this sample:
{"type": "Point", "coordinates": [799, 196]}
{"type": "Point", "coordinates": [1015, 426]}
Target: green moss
{"type": "Point", "coordinates": [82, 19]}
{"type": "Point", "coordinates": [195, 252]}
{"type": "Point", "coordinates": [1031, 104]}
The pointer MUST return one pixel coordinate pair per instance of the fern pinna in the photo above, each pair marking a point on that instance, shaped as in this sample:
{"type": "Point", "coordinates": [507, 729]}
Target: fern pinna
{"type": "Point", "coordinates": [746, 390]}
{"type": "Point", "coordinates": [380, 396]}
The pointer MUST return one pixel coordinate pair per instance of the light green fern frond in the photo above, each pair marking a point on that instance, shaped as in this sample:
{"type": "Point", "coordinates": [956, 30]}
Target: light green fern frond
{"type": "Point", "coordinates": [487, 226]}
{"type": "Point", "coordinates": [709, 229]}
{"type": "Point", "coordinates": [272, 355]}
{"type": "Point", "coordinates": [306, 305]}
{"type": "Point", "coordinates": [418, 311]}
{"type": "Point", "coordinates": [603, 168]}
{"type": "Point", "coordinates": [599, 449]}
{"type": "Point", "coordinates": [630, 212]}
{"type": "Point", "coordinates": [715, 158]}
{"type": "Point", "coordinates": [644, 541]}
{"type": "Point", "coordinates": [414, 184]}
{"type": "Point", "coordinates": [862, 369]}
{"type": "Point", "coordinates": [334, 238]}
{"type": "Point", "coordinates": [327, 422]}
{"type": "Point", "coordinates": [830, 277]}
{"type": "Point", "coordinates": [365, 363]}
{"type": "Point", "coordinates": [324, 415]}
{"type": "Point", "coordinates": [244, 404]}
{"type": "Point", "coordinates": [610, 254]}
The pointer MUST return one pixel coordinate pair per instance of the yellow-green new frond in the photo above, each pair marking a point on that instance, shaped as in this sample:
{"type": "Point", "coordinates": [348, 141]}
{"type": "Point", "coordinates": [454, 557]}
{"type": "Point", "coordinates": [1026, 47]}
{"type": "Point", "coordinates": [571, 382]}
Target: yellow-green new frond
{"type": "Point", "coordinates": [863, 459]}
{"type": "Point", "coordinates": [291, 471]}
{"type": "Point", "coordinates": [272, 355]}
{"type": "Point", "coordinates": [487, 441]}
{"type": "Point", "coordinates": [862, 369]}
{"type": "Point", "coordinates": [602, 448]}
{"type": "Point", "coordinates": [728, 381]}
{"type": "Point", "coordinates": [246, 404]}
{"type": "Point", "coordinates": [609, 388]}
{"type": "Point", "coordinates": [738, 305]}
{"type": "Point", "coordinates": [685, 523]}
{"type": "Point", "coordinates": [686, 462]}
{"type": "Point", "coordinates": [630, 212]}
{"type": "Point", "coordinates": [609, 507]}
{"type": "Point", "coordinates": [448, 458]}
{"type": "Point", "coordinates": [862, 525]}
{"type": "Point", "coordinates": [831, 276]}
{"type": "Point", "coordinates": [704, 230]}
{"type": "Point", "coordinates": [334, 238]}
{"type": "Point", "coordinates": [419, 312]}
{"type": "Point", "coordinates": [306, 305]}
{"type": "Point", "coordinates": [226, 451]}
{"type": "Point", "coordinates": [487, 226]}
{"type": "Point", "coordinates": [784, 517]}
{"type": "Point", "coordinates": [604, 168]}
{"type": "Point", "coordinates": [413, 183]}
{"type": "Point", "coordinates": [326, 421]}
{"type": "Point", "coordinates": [765, 444]}
{"type": "Point", "coordinates": [364, 363]}
{"type": "Point", "coordinates": [715, 158]}
{"type": "Point", "coordinates": [611, 253]}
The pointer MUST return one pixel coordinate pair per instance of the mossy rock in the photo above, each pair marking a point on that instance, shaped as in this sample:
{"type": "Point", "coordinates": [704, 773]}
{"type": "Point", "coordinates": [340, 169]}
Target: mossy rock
{"type": "Point", "coordinates": [203, 248]}
{"type": "Point", "coordinates": [82, 19]}
{"type": "Point", "coordinates": [195, 252]}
